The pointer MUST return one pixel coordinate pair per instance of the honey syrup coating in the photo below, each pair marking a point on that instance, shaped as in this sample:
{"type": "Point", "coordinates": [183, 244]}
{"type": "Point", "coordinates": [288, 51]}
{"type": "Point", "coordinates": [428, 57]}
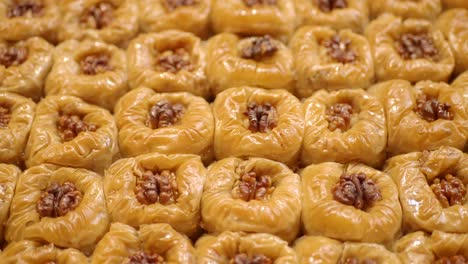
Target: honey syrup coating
{"type": "Point", "coordinates": [454, 4]}
{"type": "Point", "coordinates": [425, 9]}
{"type": "Point", "coordinates": [8, 177]}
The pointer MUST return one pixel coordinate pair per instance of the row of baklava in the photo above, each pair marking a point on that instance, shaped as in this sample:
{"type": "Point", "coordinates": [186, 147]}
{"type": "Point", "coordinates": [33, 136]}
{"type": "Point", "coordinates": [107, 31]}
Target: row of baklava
{"type": "Point", "coordinates": [73, 208]}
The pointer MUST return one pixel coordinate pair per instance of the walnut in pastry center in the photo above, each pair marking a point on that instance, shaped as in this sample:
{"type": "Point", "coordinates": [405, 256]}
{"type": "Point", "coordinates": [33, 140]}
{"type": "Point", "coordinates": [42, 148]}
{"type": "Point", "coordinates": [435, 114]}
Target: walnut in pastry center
{"type": "Point", "coordinates": [165, 114]}
{"type": "Point", "coordinates": [357, 190]}
{"type": "Point", "coordinates": [243, 258]}
{"type": "Point", "coordinates": [327, 6]}
{"type": "Point", "coordinates": [449, 190]}
{"type": "Point", "coordinates": [262, 117]}
{"type": "Point", "coordinates": [251, 3]}
{"type": "Point", "coordinates": [457, 259]}
{"type": "Point", "coordinates": [145, 258]}
{"type": "Point", "coordinates": [5, 116]}
{"type": "Point", "coordinates": [339, 116]}
{"type": "Point", "coordinates": [340, 49]}
{"type": "Point", "coordinates": [26, 8]}
{"type": "Point", "coordinates": [354, 260]}
{"type": "Point", "coordinates": [58, 199]}
{"type": "Point", "coordinates": [96, 64]}
{"type": "Point", "coordinates": [172, 5]}
{"type": "Point", "coordinates": [13, 55]}
{"type": "Point", "coordinates": [259, 48]}
{"type": "Point", "coordinates": [98, 16]}
{"type": "Point", "coordinates": [253, 186]}
{"type": "Point", "coordinates": [157, 187]}
{"type": "Point", "coordinates": [174, 61]}
{"type": "Point", "coordinates": [416, 46]}
{"type": "Point", "coordinates": [70, 126]}
{"type": "Point", "coordinates": [430, 109]}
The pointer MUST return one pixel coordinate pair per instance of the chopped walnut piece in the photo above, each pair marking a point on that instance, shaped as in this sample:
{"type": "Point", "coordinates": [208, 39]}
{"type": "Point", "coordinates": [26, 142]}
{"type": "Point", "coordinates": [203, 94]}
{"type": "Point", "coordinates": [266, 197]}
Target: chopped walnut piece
{"type": "Point", "coordinates": [339, 116]}
{"type": "Point", "coordinates": [58, 199]}
{"type": "Point", "coordinates": [174, 61]}
{"type": "Point", "coordinates": [96, 64]}
{"type": "Point", "coordinates": [157, 187]}
{"type": "Point", "coordinates": [430, 109]}
{"type": "Point", "coordinates": [353, 260]}
{"type": "Point", "coordinates": [416, 46]}
{"type": "Point", "coordinates": [70, 126]}
{"type": "Point", "coordinates": [243, 258]}
{"type": "Point", "coordinates": [165, 114]}
{"type": "Point", "coordinates": [457, 259]}
{"type": "Point", "coordinates": [251, 186]}
{"type": "Point", "coordinates": [98, 16]}
{"type": "Point", "coordinates": [357, 190]}
{"type": "Point", "coordinates": [328, 5]}
{"type": "Point", "coordinates": [144, 258]}
{"type": "Point", "coordinates": [259, 48]}
{"type": "Point", "coordinates": [5, 116]}
{"type": "Point", "coordinates": [251, 3]}
{"type": "Point", "coordinates": [449, 191]}
{"type": "Point", "coordinates": [171, 5]}
{"type": "Point", "coordinates": [27, 8]}
{"type": "Point", "coordinates": [262, 117]}
{"type": "Point", "coordinates": [340, 49]}
{"type": "Point", "coordinates": [13, 56]}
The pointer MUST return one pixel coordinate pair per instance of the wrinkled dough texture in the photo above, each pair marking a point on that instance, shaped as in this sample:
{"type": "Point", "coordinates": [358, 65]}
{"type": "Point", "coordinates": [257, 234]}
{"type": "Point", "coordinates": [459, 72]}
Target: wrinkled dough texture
{"type": "Point", "coordinates": [426, 9]}
{"type": "Point", "coordinates": [8, 176]}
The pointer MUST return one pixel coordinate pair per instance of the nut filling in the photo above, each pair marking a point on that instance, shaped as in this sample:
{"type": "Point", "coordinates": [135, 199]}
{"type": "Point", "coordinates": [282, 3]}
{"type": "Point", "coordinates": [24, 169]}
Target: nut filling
{"type": "Point", "coordinates": [98, 16]}
{"type": "Point", "coordinates": [13, 56]}
{"type": "Point", "coordinates": [339, 116]}
{"type": "Point", "coordinates": [430, 109]}
{"type": "Point", "coordinates": [262, 117]}
{"type": "Point", "coordinates": [251, 186]}
{"type": "Point", "coordinates": [353, 260]}
{"type": "Point", "coordinates": [416, 46]}
{"type": "Point", "coordinates": [357, 190]}
{"type": "Point", "coordinates": [174, 61]}
{"type": "Point", "coordinates": [5, 116]}
{"type": "Point", "coordinates": [144, 258]}
{"type": "Point", "coordinates": [57, 200]}
{"type": "Point", "coordinates": [340, 49]}
{"type": "Point", "coordinates": [243, 258]}
{"type": "Point", "coordinates": [96, 64]}
{"type": "Point", "coordinates": [157, 187]}
{"type": "Point", "coordinates": [328, 5]}
{"type": "Point", "coordinates": [70, 126]}
{"type": "Point", "coordinates": [259, 48]}
{"type": "Point", "coordinates": [26, 8]}
{"type": "Point", "coordinates": [165, 114]}
{"type": "Point", "coordinates": [251, 3]}
{"type": "Point", "coordinates": [449, 190]}
{"type": "Point", "coordinates": [457, 259]}
{"type": "Point", "coordinates": [172, 5]}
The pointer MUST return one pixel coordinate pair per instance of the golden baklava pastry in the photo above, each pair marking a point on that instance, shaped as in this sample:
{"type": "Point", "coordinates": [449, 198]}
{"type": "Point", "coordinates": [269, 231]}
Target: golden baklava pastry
{"type": "Point", "coordinates": [331, 60]}
{"type": "Point", "coordinates": [438, 248]}
{"type": "Point", "coordinates": [253, 195]}
{"type": "Point", "coordinates": [410, 49]}
{"type": "Point", "coordinates": [34, 252]}
{"type": "Point", "coordinates": [168, 61]}
{"type": "Point", "coordinates": [69, 132]}
{"type": "Point", "coordinates": [256, 122]}
{"type": "Point", "coordinates": [350, 202]}
{"type": "Point", "coordinates": [111, 21]}
{"type": "Point", "coordinates": [186, 15]}
{"type": "Point", "coordinates": [461, 83]}
{"type": "Point", "coordinates": [16, 117]}
{"type": "Point", "coordinates": [258, 61]}
{"type": "Point", "coordinates": [93, 71]}
{"type": "Point", "coordinates": [24, 66]}
{"type": "Point", "coordinates": [337, 14]}
{"type": "Point", "coordinates": [344, 126]}
{"type": "Point", "coordinates": [167, 123]}
{"type": "Point", "coordinates": [454, 24]}
{"type": "Point", "coordinates": [318, 249]}
{"type": "Point", "coordinates": [156, 188]}
{"type": "Point", "coordinates": [432, 189]}
{"type": "Point", "coordinates": [156, 243]}
{"type": "Point", "coordinates": [8, 176]}
{"type": "Point", "coordinates": [426, 9]}
{"type": "Point", "coordinates": [424, 116]}
{"type": "Point", "coordinates": [454, 4]}
{"type": "Point", "coordinates": [60, 205]}
{"type": "Point", "coordinates": [254, 17]}
{"type": "Point", "coordinates": [239, 247]}
{"type": "Point", "coordinates": [23, 19]}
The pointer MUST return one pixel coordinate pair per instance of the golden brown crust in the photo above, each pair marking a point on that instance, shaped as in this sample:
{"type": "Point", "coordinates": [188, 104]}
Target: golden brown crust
{"type": "Point", "coordinates": [426, 9]}
{"type": "Point", "coordinates": [317, 249]}
{"type": "Point", "coordinates": [454, 4]}
{"type": "Point", "coordinates": [8, 176]}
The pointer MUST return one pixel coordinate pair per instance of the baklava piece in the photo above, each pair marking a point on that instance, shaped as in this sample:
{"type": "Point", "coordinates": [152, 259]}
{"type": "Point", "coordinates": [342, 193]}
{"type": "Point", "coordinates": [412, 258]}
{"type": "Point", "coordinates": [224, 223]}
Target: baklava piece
{"type": "Point", "coordinates": [409, 49]}
{"type": "Point", "coordinates": [331, 60]}
{"type": "Point", "coordinates": [239, 247]}
{"type": "Point", "coordinates": [337, 14]}
{"type": "Point", "coordinates": [258, 61]}
{"type": "Point", "coordinates": [426, 9]}
{"type": "Point", "coordinates": [69, 132]}
{"type": "Point", "coordinates": [111, 21]}
{"type": "Point", "coordinates": [255, 195]}
{"type": "Point", "coordinates": [253, 122]}
{"type": "Point", "coordinates": [151, 244]}
{"type": "Point", "coordinates": [454, 24]}
{"type": "Point", "coordinates": [169, 61]}
{"type": "Point", "coordinates": [167, 123]}
{"type": "Point", "coordinates": [34, 252]}
{"type": "Point", "coordinates": [254, 17]}
{"type": "Point", "coordinates": [59, 205]}
{"type": "Point", "coordinates": [16, 117]}
{"type": "Point", "coordinates": [23, 19]}
{"type": "Point", "coordinates": [461, 83]}
{"type": "Point", "coordinates": [350, 202]}
{"type": "Point", "coordinates": [424, 116]}
{"type": "Point", "coordinates": [93, 71]}
{"type": "Point", "coordinates": [432, 187]}
{"type": "Point", "coordinates": [8, 176]}
{"type": "Point", "coordinates": [438, 248]}
{"type": "Point", "coordinates": [156, 188]}
{"type": "Point", "coordinates": [318, 249]}
{"type": "Point", "coordinates": [344, 126]}
{"type": "Point", "coordinates": [185, 15]}
{"type": "Point", "coordinates": [454, 4]}
{"type": "Point", "coordinates": [24, 66]}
